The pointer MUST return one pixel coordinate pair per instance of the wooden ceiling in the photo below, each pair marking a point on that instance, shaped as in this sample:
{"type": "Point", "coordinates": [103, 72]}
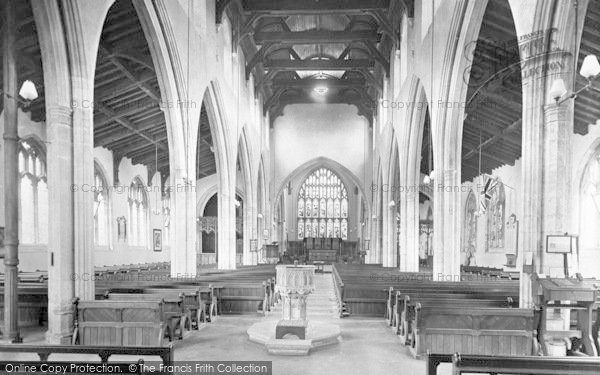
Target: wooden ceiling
{"type": "Point", "coordinates": [128, 119]}
{"type": "Point", "coordinates": [294, 46]}
{"type": "Point", "coordinates": [205, 158]}
{"type": "Point", "coordinates": [587, 104]}
{"type": "Point", "coordinates": [492, 127]}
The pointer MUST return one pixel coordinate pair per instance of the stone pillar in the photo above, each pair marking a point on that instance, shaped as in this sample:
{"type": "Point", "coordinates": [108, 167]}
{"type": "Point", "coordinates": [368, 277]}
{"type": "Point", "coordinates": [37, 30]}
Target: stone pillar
{"type": "Point", "coordinates": [183, 250]}
{"type": "Point", "coordinates": [83, 175]}
{"type": "Point", "coordinates": [447, 265]}
{"type": "Point", "coordinates": [409, 261]}
{"type": "Point", "coordinates": [558, 130]}
{"type": "Point", "coordinates": [61, 272]}
{"type": "Point", "coordinates": [545, 141]}
{"type": "Point", "coordinates": [226, 230]}
{"type": "Point", "coordinates": [11, 175]}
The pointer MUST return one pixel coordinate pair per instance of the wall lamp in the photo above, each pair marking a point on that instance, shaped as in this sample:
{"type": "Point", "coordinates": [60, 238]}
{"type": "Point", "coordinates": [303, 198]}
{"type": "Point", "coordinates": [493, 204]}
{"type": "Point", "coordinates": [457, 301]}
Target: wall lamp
{"type": "Point", "coordinates": [28, 92]}
{"type": "Point", "coordinates": [590, 69]}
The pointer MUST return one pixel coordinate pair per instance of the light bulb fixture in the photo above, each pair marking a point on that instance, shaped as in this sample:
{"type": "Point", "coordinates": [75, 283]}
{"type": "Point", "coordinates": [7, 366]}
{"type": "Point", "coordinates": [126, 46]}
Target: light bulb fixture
{"type": "Point", "coordinates": [590, 70]}
{"type": "Point", "coordinates": [590, 67]}
{"type": "Point", "coordinates": [321, 90]}
{"type": "Point", "coordinates": [260, 216]}
{"type": "Point", "coordinates": [374, 217]}
{"type": "Point", "coordinates": [432, 175]}
{"type": "Point", "coordinates": [237, 203]}
{"type": "Point", "coordinates": [426, 179]}
{"type": "Point", "coordinates": [27, 93]}
{"type": "Point", "coordinates": [392, 203]}
{"type": "Point", "coordinates": [558, 89]}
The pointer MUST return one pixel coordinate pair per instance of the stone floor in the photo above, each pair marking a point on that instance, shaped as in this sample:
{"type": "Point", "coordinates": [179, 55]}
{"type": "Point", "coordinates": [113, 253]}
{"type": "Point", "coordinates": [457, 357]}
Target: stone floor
{"type": "Point", "coordinates": [367, 347]}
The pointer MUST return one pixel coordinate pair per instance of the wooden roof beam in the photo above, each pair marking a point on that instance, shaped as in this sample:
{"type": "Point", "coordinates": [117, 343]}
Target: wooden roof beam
{"type": "Point", "coordinates": [129, 72]}
{"type": "Point", "coordinates": [294, 7]}
{"type": "Point", "coordinates": [287, 65]}
{"type": "Point", "coordinates": [316, 37]}
{"type": "Point", "coordinates": [127, 124]}
{"type": "Point", "coordinates": [474, 151]}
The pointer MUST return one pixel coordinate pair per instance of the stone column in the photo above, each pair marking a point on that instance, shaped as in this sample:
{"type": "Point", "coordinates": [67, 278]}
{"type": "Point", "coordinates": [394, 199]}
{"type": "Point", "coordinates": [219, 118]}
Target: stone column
{"type": "Point", "coordinates": [447, 265]}
{"type": "Point", "coordinates": [183, 250]}
{"type": "Point", "coordinates": [409, 261]}
{"type": "Point", "coordinates": [61, 272]}
{"type": "Point", "coordinates": [558, 130]}
{"type": "Point", "coordinates": [83, 175]}
{"type": "Point", "coordinates": [226, 230]}
{"type": "Point", "coordinates": [11, 175]}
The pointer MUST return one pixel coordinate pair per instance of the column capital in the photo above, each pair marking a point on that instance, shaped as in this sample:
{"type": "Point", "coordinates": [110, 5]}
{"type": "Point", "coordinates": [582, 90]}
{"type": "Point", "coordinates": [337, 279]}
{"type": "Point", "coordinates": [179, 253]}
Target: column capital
{"type": "Point", "coordinates": [558, 111]}
{"type": "Point", "coordinates": [59, 113]}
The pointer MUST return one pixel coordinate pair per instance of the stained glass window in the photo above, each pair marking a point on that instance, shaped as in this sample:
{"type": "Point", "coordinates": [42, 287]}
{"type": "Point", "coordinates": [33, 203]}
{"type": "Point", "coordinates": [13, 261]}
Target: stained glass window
{"type": "Point", "coordinates": [495, 218]}
{"type": "Point", "coordinates": [324, 198]}
{"type": "Point", "coordinates": [470, 225]}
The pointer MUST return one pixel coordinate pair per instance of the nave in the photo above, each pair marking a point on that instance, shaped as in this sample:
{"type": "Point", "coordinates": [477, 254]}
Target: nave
{"type": "Point", "coordinates": [302, 181]}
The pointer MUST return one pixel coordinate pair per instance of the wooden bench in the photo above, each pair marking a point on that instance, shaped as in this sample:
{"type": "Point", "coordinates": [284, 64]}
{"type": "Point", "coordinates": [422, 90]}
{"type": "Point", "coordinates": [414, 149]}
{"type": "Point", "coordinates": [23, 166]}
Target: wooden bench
{"type": "Point", "coordinates": [486, 290]}
{"type": "Point", "coordinates": [472, 330]}
{"type": "Point", "coordinates": [200, 303]}
{"type": "Point", "coordinates": [479, 364]}
{"type": "Point", "coordinates": [166, 353]}
{"type": "Point", "coordinates": [406, 319]}
{"type": "Point", "coordinates": [118, 323]}
{"type": "Point", "coordinates": [173, 313]}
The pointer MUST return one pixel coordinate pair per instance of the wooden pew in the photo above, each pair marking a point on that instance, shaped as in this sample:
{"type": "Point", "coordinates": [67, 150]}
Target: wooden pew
{"type": "Point", "coordinates": [445, 295]}
{"type": "Point", "coordinates": [406, 319]}
{"type": "Point", "coordinates": [165, 353]}
{"type": "Point", "coordinates": [173, 313]}
{"type": "Point", "coordinates": [472, 330]}
{"type": "Point", "coordinates": [366, 287]}
{"type": "Point", "coordinates": [200, 303]}
{"type": "Point", "coordinates": [118, 323]}
{"type": "Point", "coordinates": [479, 364]}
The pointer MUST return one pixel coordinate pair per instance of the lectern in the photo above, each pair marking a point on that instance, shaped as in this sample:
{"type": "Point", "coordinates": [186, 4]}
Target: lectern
{"type": "Point", "coordinates": [578, 294]}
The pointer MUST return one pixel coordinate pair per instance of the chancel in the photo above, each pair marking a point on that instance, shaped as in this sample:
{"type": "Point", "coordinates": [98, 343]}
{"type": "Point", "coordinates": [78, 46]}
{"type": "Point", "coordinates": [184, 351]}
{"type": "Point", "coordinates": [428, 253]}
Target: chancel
{"type": "Point", "coordinates": [300, 186]}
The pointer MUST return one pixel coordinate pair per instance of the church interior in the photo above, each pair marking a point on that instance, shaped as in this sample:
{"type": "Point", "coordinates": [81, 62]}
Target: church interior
{"type": "Point", "coordinates": [300, 186]}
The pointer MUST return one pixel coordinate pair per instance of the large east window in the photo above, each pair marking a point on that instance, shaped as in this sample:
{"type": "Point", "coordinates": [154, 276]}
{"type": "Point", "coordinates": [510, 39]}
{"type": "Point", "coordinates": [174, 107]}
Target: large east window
{"type": "Point", "coordinates": [323, 206]}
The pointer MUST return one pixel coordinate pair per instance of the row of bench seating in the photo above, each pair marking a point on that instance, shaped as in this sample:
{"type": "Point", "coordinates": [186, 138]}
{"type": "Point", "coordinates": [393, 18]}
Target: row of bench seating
{"type": "Point", "coordinates": [168, 310]}
{"type": "Point", "coordinates": [530, 365]}
{"type": "Point", "coordinates": [491, 272]}
{"type": "Point", "coordinates": [42, 276]}
{"type": "Point", "coordinates": [195, 301]}
{"type": "Point", "coordinates": [478, 316]}
{"type": "Point", "coordinates": [165, 353]}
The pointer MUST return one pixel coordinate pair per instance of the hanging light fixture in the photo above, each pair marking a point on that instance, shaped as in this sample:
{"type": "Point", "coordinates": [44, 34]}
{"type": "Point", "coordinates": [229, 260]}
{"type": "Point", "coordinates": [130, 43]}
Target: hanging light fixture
{"type": "Point", "coordinates": [590, 70]}
{"type": "Point", "coordinates": [27, 93]}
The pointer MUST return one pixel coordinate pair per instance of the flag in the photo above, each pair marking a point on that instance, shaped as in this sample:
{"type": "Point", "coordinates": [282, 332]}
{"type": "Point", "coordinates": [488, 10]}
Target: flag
{"type": "Point", "coordinates": [486, 193]}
